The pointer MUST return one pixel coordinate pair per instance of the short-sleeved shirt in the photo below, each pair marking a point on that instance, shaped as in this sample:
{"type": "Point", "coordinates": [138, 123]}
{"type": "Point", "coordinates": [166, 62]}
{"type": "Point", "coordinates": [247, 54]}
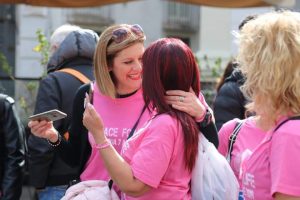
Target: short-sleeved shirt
{"type": "Point", "coordinates": [119, 116]}
{"type": "Point", "coordinates": [156, 156]}
{"type": "Point", "coordinates": [248, 138]}
{"type": "Point", "coordinates": [274, 165]}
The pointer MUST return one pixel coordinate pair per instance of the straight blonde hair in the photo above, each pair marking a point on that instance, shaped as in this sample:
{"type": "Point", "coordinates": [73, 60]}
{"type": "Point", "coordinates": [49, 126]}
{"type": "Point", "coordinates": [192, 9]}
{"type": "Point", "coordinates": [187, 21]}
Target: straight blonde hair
{"type": "Point", "coordinates": [105, 52]}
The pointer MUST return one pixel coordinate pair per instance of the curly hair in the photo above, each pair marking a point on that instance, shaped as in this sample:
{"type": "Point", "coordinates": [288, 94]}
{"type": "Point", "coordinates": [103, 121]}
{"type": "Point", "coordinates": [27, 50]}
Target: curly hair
{"type": "Point", "coordinates": [269, 56]}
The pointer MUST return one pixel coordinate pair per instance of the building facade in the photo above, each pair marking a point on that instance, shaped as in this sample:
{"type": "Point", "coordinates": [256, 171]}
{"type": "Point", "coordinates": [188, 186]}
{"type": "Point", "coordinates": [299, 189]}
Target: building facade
{"type": "Point", "coordinates": [207, 30]}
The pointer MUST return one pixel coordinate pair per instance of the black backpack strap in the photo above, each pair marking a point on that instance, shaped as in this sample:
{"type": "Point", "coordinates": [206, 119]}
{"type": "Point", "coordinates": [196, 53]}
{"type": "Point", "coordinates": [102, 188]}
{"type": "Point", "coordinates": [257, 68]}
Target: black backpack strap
{"type": "Point", "coordinates": [110, 182]}
{"type": "Point", "coordinates": [232, 138]}
{"type": "Point", "coordinates": [136, 123]}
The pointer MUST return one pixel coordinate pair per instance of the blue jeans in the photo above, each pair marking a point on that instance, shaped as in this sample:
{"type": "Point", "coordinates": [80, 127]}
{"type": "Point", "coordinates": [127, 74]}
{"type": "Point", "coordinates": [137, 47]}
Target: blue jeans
{"type": "Point", "coordinates": [52, 193]}
{"type": "Point", "coordinates": [241, 196]}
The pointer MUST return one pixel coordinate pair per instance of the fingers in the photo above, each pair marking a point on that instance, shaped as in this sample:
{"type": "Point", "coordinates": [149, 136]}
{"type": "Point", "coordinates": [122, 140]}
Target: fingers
{"type": "Point", "coordinates": [90, 111]}
{"type": "Point", "coordinates": [185, 101]}
{"type": "Point", "coordinates": [39, 128]}
{"type": "Point", "coordinates": [175, 95]}
{"type": "Point", "coordinates": [176, 92]}
{"type": "Point", "coordinates": [181, 106]}
{"type": "Point", "coordinates": [86, 100]}
{"type": "Point", "coordinates": [91, 117]}
{"type": "Point", "coordinates": [36, 123]}
{"type": "Point", "coordinates": [172, 99]}
{"type": "Point", "coordinates": [192, 91]}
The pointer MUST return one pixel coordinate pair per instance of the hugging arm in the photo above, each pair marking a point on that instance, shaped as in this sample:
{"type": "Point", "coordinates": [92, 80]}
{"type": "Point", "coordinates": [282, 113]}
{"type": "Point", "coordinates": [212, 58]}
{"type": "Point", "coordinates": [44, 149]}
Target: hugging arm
{"type": "Point", "coordinates": [196, 107]}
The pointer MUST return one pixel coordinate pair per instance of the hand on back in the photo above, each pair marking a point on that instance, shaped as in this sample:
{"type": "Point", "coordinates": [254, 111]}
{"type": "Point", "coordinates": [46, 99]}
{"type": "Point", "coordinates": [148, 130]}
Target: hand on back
{"type": "Point", "coordinates": [185, 101]}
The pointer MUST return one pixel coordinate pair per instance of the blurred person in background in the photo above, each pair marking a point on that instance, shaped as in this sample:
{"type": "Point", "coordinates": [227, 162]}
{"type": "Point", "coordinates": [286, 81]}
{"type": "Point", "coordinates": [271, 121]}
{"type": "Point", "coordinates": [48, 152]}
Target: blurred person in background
{"type": "Point", "coordinates": [71, 57]}
{"type": "Point", "coordinates": [12, 150]}
{"type": "Point", "coordinates": [231, 65]}
{"type": "Point", "coordinates": [230, 101]}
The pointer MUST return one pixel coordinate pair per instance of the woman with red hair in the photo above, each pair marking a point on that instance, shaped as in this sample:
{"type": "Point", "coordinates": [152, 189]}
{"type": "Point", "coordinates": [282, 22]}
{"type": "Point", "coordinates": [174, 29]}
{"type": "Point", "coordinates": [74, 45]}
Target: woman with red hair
{"type": "Point", "coordinates": [157, 162]}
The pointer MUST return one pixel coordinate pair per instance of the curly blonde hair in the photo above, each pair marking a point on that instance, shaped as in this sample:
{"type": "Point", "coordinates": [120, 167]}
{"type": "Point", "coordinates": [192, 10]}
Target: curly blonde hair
{"type": "Point", "coordinates": [105, 52]}
{"type": "Point", "coordinates": [269, 56]}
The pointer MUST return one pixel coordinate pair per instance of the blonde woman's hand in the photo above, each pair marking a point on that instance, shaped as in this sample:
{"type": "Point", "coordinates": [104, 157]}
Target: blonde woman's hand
{"type": "Point", "coordinates": [186, 101]}
{"type": "Point", "coordinates": [44, 129]}
{"type": "Point", "coordinates": [93, 122]}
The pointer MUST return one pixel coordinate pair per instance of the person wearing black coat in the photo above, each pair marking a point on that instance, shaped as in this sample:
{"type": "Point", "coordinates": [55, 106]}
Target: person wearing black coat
{"type": "Point", "coordinates": [12, 150]}
{"type": "Point", "coordinates": [48, 172]}
{"type": "Point", "coordinates": [230, 101]}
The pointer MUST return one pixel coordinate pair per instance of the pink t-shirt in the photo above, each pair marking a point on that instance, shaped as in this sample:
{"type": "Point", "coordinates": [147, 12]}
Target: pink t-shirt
{"type": "Point", "coordinates": [156, 156]}
{"type": "Point", "coordinates": [119, 116]}
{"type": "Point", "coordinates": [248, 138]}
{"type": "Point", "coordinates": [274, 165]}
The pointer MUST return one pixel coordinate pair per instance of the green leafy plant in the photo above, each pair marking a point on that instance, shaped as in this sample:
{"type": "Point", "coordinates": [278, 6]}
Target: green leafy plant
{"type": "Point", "coordinates": [211, 70]}
{"type": "Point", "coordinates": [216, 70]}
{"type": "Point", "coordinates": [42, 47]}
{"type": "Point", "coordinates": [211, 67]}
{"type": "Point", "coordinates": [26, 102]}
{"type": "Point", "coordinates": [6, 68]}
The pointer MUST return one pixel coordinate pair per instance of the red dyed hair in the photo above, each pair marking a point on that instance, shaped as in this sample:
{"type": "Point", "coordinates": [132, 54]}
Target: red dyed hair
{"type": "Point", "coordinates": [169, 64]}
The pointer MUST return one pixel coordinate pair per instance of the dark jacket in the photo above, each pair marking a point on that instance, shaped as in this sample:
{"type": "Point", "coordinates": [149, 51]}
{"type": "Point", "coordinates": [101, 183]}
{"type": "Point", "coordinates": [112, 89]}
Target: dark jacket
{"type": "Point", "coordinates": [57, 91]}
{"type": "Point", "coordinates": [11, 150]}
{"type": "Point", "coordinates": [230, 101]}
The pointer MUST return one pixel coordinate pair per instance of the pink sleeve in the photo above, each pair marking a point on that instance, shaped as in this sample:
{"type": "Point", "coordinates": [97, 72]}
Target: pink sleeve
{"type": "Point", "coordinates": [285, 160]}
{"type": "Point", "coordinates": [152, 159]}
{"type": "Point", "coordinates": [202, 100]}
{"type": "Point", "coordinates": [224, 134]}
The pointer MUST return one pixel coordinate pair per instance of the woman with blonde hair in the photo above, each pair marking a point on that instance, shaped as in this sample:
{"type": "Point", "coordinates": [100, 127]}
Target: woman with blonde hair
{"type": "Point", "coordinates": [269, 56]}
{"type": "Point", "coordinates": [157, 162]}
{"type": "Point", "coordinates": [117, 97]}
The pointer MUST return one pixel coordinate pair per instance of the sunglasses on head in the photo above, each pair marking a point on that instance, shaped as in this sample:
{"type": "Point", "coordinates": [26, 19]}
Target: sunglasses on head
{"type": "Point", "coordinates": [120, 34]}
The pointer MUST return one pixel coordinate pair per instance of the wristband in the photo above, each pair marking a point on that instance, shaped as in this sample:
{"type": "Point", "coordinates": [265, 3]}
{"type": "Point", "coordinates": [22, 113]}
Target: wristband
{"type": "Point", "coordinates": [207, 119]}
{"type": "Point", "coordinates": [55, 144]}
{"type": "Point", "coordinates": [104, 145]}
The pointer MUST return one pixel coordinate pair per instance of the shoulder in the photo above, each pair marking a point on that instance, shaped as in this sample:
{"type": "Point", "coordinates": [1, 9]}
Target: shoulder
{"type": "Point", "coordinates": [164, 124]}
{"type": "Point", "coordinates": [224, 133]}
{"type": "Point", "coordinates": [164, 120]}
{"type": "Point", "coordinates": [286, 139]}
{"type": "Point", "coordinates": [6, 103]}
{"type": "Point", "coordinates": [228, 127]}
{"type": "Point", "coordinates": [229, 87]}
{"type": "Point", "coordinates": [80, 93]}
{"type": "Point", "coordinates": [84, 88]}
{"type": "Point", "coordinates": [6, 99]}
{"type": "Point", "coordinates": [230, 94]}
{"type": "Point", "coordinates": [50, 81]}
{"type": "Point", "coordinates": [289, 129]}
